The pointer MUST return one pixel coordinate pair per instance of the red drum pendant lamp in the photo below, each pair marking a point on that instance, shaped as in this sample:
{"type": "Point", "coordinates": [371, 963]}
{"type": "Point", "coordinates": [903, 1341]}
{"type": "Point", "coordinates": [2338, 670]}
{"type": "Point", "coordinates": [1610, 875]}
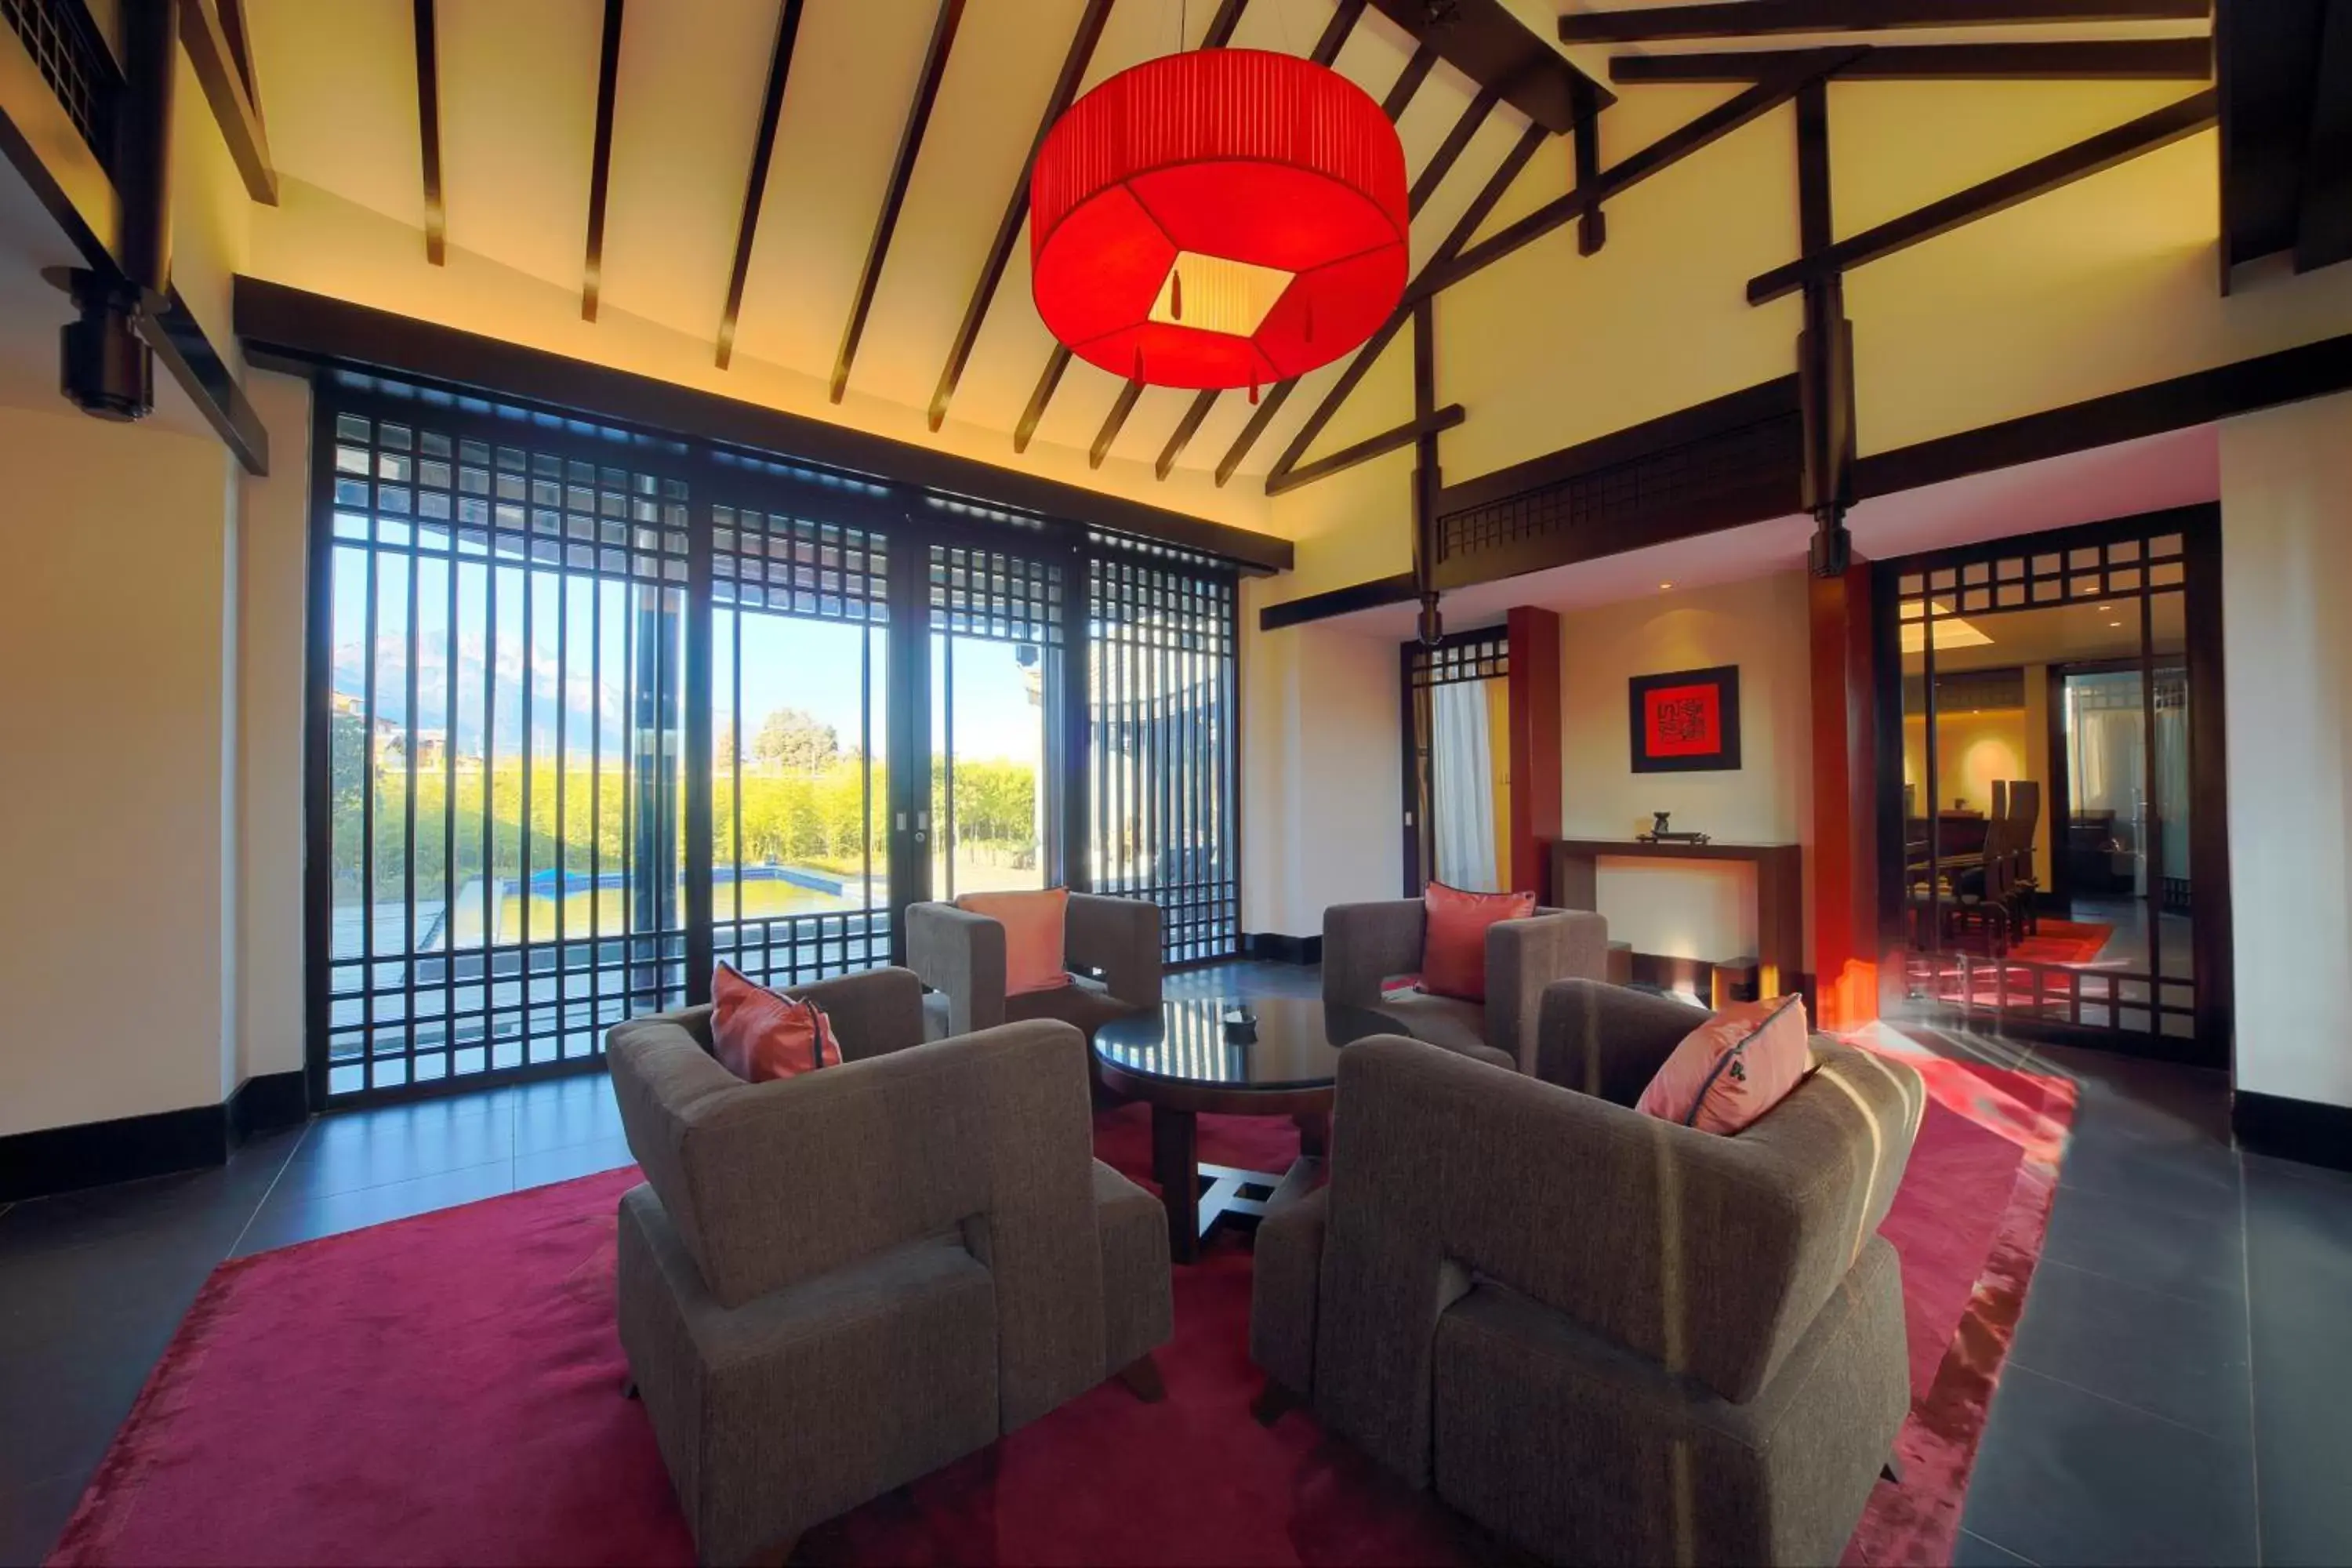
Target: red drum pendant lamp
{"type": "Point", "coordinates": [1220, 218]}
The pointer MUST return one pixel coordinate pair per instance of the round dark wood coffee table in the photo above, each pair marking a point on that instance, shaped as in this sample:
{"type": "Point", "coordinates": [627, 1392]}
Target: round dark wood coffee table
{"type": "Point", "coordinates": [1182, 1061]}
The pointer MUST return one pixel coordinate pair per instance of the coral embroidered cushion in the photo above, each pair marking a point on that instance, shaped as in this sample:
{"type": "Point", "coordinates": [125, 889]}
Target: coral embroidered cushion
{"type": "Point", "coordinates": [1032, 923]}
{"type": "Point", "coordinates": [761, 1035]}
{"type": "Point", "coordinates": [1453, 943]}
{"type": "Point", "coordinates": [1734, 1067]}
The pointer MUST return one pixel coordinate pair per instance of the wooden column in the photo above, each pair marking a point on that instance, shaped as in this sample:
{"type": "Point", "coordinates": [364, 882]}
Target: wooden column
{"type": "Point", "coordinates": [1534, 746]}
{"type": "Point", "coordinates": [1846, 800]}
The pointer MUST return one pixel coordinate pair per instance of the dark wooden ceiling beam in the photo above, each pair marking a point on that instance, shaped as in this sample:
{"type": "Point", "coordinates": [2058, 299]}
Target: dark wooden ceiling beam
{"type": "Point", "coordinates": [428, 132]}
{"type": "Point", "coordinates": [1125, 404]}
{"type": "Point", "coordinates": [1365, 450]}
{"type": "Point", "coordinates": [240, 38]}
{"type": "Point", "coordinates": [221, 71]}
{"type": "Point", "coordinates": [1075, 60]}
{"type": "Point", "coordinates": [1219, 33]}
{"type": "Point", "coordinates": [755, 189]}
{"type": "Point", "coordinates": [1455, 240]}
{"type": "Point", "coordinates": [1485, 42]}
{"type": "Point", "coordinates": [1803, 66]}
{"type": "Point", "coordinates": [2323, 229]}
{"type": "Point", "coordinates": [894, 196]}
{"type": "Point", "coordinates": [1049, 380]}
{"type": "Point", "coordinates": [2123, 60]}
{"type": "Point", "coordinates": [1399, 98]}
{"type": "Point", "coordinates": [600, 167]}
{"type": "Point", "coordinates": [1754, 18]}
{"type": "Point", "coordinates": [2194, 113]}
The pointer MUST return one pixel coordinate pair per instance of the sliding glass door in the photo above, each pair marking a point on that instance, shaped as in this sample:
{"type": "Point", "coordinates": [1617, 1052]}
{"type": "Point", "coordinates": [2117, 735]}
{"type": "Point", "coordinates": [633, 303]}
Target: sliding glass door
{"type": "Point", "coordinates": [593, 713]}
{"type": "Point", "coordinates": [2062, 872]}
{"type": "Point", "coordinates": [495, 752]}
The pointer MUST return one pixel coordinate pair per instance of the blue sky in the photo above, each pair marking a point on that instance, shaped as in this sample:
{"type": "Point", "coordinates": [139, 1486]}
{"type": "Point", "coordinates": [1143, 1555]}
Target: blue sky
{"type": "Point", "coordinates": [819, 667]}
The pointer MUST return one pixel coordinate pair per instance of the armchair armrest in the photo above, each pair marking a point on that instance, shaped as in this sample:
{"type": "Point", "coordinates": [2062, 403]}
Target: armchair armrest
{"type": "Point", "coordinates": [960, 955]}
{"type": "Point", "coordinates": [873, 1013]}
{"type": "Point", "coordinates": [1523, 957]}
{"type": "Point", "coordinates": [1122, 938]}
{"type": "Point", "coordinates": [1605, 1040]}
{"type": "Point", "coordinates": [775, 1183]}
{"type": "Point", "coordinates": [1363, 944]}
{"type": "Point", "coordinates": [1708, 1255]}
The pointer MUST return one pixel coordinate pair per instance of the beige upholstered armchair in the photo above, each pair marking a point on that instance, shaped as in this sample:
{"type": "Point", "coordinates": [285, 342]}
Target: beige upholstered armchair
{"type": "Point", "coordinates": [1364, 944]}
{"type": "Point", "coordinates": [833, 1284]}
{"type": "Point", "coordinates": [1605, 1337]}
{"type": "Point", "coordinates": [1111, 946]}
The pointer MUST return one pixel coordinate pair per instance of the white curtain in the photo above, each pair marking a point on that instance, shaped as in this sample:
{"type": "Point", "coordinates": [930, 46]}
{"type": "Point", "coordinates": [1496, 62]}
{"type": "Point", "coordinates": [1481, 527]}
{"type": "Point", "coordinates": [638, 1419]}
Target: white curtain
{"type": "Point", "coordinates": [2110, 748]}
{"type": "Point", "coordinates": [1462, 780]}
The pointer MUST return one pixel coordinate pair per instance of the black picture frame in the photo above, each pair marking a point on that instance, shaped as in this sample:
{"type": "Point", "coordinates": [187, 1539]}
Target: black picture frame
{"type": "Point", "coordinates": [1725, 758]}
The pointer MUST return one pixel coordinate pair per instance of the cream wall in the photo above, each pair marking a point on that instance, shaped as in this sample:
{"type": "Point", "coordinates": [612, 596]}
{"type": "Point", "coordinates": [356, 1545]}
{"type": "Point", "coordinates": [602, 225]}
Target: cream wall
{"type": "Point", "coordinates": [2286, 552]}
{"type": "Point", "coordinates": [1322, 811]}
{"type": "Point", "coordinates": [272, 599]}
{"type": "Point", "coordinates": [1693, 912]}
{"type": "Point", "coordinates": [117, 869]}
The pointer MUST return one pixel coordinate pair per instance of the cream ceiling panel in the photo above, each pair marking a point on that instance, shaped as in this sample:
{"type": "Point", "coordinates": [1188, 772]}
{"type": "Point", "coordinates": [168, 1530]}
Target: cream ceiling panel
{"type": "Point", "coordinates": [997, 83]}
{"type": "Point", "coordinates": [519, 128]}
{"type": "Point", "coordinates": [854, 74]}
{"type": "Point", "coordinates": [339, 93]}
{"type": "Point", "coordinates": [686, 113]}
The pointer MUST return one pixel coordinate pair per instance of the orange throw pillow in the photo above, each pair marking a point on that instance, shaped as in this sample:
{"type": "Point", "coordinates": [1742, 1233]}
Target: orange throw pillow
{"type": "Point", "coordinates": [763, 1036]}
{"type": "Point", "coordinates": [1454, 947]}
{"type": "Point", "coordinates": [1033, 928]}
{"type": "Point", "coordinates": [1731, 1070]}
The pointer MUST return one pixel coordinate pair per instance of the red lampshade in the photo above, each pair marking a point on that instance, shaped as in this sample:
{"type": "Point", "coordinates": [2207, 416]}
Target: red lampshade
{"type": "Point", "coordinates": [1218, 218]}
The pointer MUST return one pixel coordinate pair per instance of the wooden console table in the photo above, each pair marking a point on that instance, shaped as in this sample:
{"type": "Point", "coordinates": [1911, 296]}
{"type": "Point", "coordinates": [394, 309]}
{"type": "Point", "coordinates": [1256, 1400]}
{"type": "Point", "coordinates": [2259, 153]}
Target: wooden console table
{"type": "Point", "coordinates": [1779, 953]}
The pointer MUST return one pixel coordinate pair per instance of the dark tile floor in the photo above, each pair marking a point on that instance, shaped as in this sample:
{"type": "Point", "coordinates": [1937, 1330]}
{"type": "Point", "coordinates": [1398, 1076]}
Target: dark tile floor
{"type": "Point", "coordinates": [2181, 1389]}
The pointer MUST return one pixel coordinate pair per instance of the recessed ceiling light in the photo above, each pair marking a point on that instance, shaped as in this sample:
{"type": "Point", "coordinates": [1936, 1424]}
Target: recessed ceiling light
{"type": "Point", "coordinates": [2114, 623]}
{"type": "Point", "coordinates": [1663, 587]}
{"type": "Point", "coordinates": [2105, 608]}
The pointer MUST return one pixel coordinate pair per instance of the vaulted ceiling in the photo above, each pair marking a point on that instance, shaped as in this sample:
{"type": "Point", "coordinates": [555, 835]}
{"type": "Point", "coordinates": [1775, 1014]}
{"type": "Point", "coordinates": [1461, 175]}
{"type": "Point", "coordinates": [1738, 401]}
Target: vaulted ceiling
{"type": "Point", "coordinates": [517, 97]}
{"type": "Point", "coordinates": [518, 83]}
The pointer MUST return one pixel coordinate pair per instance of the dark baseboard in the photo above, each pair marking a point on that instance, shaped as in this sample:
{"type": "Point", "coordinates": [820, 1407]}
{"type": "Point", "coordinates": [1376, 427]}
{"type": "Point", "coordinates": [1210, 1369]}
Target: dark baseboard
{"type": "Point", "coordinates": [2289, 1129]}
{"type": "Point", "coordinates": [1276, 948]}
{"type": "Point", "coordinates": [66, 1159]}
{"type": "Point", "coordinates": [267, 1102]}
{"type": "Point", "coordinates": [63, 1159]}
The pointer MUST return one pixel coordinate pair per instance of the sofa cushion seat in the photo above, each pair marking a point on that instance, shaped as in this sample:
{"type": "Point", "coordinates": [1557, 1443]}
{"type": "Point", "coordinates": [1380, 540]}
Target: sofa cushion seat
{"type": "Point", "coordinates": [1446, 1021]}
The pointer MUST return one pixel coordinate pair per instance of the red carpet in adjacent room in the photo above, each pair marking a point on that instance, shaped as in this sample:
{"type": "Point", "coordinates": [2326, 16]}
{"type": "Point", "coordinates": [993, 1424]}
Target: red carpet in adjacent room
{"type": "Point", "coordinates": [2063, 942]}
{"type": "Point", "coordinates": [446, 1389]}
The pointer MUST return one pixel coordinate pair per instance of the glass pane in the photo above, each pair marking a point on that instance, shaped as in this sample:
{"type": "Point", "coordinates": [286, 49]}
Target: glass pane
{"type": "Point", "coordinates": [2170, 839]}
{"type": "Point", "coordinates": [800, 875]}
{"type": "Point", "coordinates": [989, 809]}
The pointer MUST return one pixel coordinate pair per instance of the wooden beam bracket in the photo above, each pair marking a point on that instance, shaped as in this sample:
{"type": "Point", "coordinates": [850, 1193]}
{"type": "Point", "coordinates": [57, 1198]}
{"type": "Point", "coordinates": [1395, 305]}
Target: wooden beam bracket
{"type": "Point", "coordinates": [221, 72]}
{"type": "Point", "coordinates": [2064, 167]}
{"type": "Point", "coordinates": [1365, 450]}
{"type": "Point", "coordinates": [2119, 59]}
{"type": "Point", "coordinates": [1757, 18]}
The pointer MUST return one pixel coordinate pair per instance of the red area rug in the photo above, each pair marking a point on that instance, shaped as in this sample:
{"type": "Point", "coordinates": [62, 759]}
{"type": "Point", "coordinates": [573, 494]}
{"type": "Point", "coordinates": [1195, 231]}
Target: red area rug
{"type": "Point", "coordinates": [445, 1389]}
{"type": "Point", "coordinates": [2063, 942]}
